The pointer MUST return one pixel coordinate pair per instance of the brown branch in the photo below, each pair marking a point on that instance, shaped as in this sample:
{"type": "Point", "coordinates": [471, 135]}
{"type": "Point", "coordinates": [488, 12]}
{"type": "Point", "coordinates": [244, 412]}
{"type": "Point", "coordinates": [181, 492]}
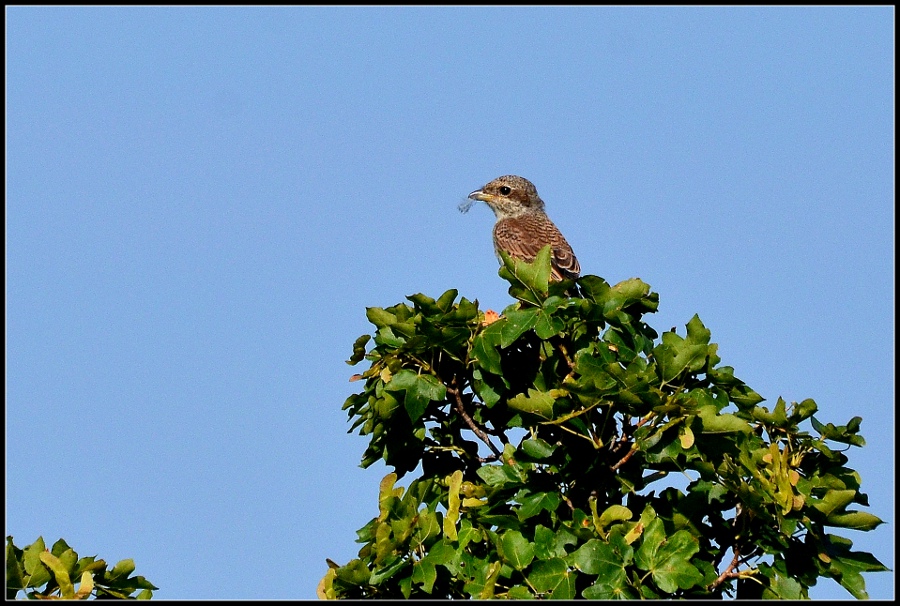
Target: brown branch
{"type": "Point", "coordinates": [620, 440]}
{"type": "Point", "coordinates": [623, 439]}
{"type": "Point", "coordinates": [624, 459]}
{"type": "Point", "coordinates": [488, 459]}
{"type": "Point", "coordinates": [565, 355]}
{"type": "Point", "coordinates": [460, 407]}
{"type": "Point", "coordinates": [729, 572]}
{"type": "Point", "coordinates": [644, 420]}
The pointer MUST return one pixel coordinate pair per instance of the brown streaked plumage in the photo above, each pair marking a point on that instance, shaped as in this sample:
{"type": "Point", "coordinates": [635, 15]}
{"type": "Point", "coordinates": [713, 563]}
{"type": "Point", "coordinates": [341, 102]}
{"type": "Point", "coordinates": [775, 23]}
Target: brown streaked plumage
{"type": "Point", "coordinates": [523, 227]}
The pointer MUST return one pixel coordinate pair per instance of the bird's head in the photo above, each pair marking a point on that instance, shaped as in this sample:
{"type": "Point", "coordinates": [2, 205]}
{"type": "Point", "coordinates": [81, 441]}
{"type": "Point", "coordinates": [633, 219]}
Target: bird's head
{"type": "Point", "coordinates": [509, 196]}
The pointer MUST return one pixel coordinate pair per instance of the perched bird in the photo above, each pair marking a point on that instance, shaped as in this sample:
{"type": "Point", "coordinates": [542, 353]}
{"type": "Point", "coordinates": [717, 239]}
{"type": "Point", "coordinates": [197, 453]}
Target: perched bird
{"type": "Point", "coordinates": [523, 228]}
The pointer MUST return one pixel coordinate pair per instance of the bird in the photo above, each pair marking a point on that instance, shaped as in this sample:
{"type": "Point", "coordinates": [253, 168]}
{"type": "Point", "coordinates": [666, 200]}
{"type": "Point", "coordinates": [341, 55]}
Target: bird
{"type": "Point", "coordinates": [523, 227]}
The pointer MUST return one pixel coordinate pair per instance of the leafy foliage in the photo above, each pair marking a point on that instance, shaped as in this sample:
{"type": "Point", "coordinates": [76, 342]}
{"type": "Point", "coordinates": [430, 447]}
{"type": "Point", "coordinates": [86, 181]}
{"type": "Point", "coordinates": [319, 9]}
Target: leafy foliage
{"type": "Point", "coordinates": [552, 443]}
{"type": "Point", "coordinates": [54, 573]}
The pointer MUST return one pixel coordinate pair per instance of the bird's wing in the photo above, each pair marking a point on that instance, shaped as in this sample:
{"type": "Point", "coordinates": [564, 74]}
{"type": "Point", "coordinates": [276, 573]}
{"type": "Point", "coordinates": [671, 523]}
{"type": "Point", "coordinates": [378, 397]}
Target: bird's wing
{"type": "Point", "coordinates": [564, 264]}
{"type": "Point", "coordinates": [524, 237]}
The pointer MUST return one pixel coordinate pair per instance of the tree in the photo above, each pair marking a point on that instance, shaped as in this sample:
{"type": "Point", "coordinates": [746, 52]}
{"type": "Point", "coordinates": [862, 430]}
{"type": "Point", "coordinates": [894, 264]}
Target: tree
{"type": "Point", "coordinates": [565, 451]}
{"type": "Point", "coordinates": [53, 574]}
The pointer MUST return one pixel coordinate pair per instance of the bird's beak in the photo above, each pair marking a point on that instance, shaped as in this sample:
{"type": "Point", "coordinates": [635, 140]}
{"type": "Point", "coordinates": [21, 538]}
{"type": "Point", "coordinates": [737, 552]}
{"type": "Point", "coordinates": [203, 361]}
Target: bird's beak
{"type": "Point", "coordinates": [480, 195]}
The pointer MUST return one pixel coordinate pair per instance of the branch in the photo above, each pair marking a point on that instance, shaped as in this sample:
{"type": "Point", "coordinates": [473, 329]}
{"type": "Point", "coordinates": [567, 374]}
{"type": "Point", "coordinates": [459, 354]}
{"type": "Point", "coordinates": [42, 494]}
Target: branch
{"type": "Point", "coordinates": [624, 459]}
{"type": "Point", "coordinates": [728, 573]}
{"type": "Point", "coordinates": [460, 407]}
{"type": "Point", "coordinates": [623, 439]}
{"type": "Point", "coordinates": [565, 355]}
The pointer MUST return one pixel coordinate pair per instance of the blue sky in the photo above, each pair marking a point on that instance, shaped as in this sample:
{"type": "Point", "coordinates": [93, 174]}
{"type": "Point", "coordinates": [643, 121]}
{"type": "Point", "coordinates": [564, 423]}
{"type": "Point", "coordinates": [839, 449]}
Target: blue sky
{"type": "Point", "coordinates": [201, 203]}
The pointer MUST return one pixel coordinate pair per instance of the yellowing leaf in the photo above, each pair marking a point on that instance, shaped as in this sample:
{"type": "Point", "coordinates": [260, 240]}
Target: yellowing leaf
{"type": "Point", "coordinates": [686, 437]}
{"type": "Point", "coordinates": [452, 516]}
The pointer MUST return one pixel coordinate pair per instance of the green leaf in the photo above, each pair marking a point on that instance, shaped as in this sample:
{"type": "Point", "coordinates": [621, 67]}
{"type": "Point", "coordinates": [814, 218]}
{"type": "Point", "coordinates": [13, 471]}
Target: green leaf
{"type": "Point", "coordinates": [445, 301]}
{"type": "Point", "coordinates": [536, 402]}
{"type": "Point", "coordinates": [424, 303]}
{"type": "Point", "coordinates": [857, 520]}
{"type": "Point", "coordinates": [61, 547]}
{"type": "Point", "coordinates": [744, 397]}
{"type": "Point", "coordinates": [667, 558]}
{"type": "Point", "coordinates": [485, 578]}
{"type": "Point", "coordinates": [552, 576]}
{"type": "Point", "coordinates": [549, 544]}
{"type": "Point", "coordinates": [845, 434]}
{"type": "Point", "coordinates": [426, 526]}
{"type": "Point", "coordinates": [443, 305]}
{"type": "Point", "coordinates": [834, 500]}
{"type": "Point", "coordinates": [777, 417]}
{"type": "Point", "coordinates": [498, 475]}
{"type": "Point", "coordinates": [380, 317]}
{"type": "Point", "coordinates": [485, 389]}
{"type": "Point", "coordinates": [594, 367]}
{"type": "Point", "coordinates": [610, 567]}
{"type": "Point", "coordinates": [515, 323]}
{"type": "Point", "coordinates": [783, 588]}
{"type": "Point", "coordinates": [697, 333]}
{"type": "Point", "coordinates": [593, 557]}
{"type": "Point", "coordinates": [519, 592]}
{"type": "Point", "coordinates": [15, 572]}
{"type": "Point", "coordinates": [624, 295]}
{"type": "Point", "coordinates": [379, 575]}
{"type": "Point", "coordinates": [468, 534]}
{"type": "Point", "coordinates": [613, 586]}
{"type": "Point", "coordinates": [516, 549]}
{"type": "Point", "coordinates": [845, 565]}
{"type": "Point", "coordinates": [614, 513]}
{"type": "Point", "coordinates": [537, 448]}
{"type": "Point", "coordinates": [484, 348]}
{"type": "Point", "coordinates": [676, 355]}
{"type": "Point", "coordinates": [359, 350]}
{"type": "Point", "coordinates": [548, 325]}
{"type": "Point", "coordinates": [534, 276]}
{"type": "Point", "coordinates": [544, 543]}
{"type": "Point", "coordinates": [804, 410]}
{"type": "Point", "coordinates": [594, 288]}
{"type": "Point", "coordinates": [424, 574]}
{"type": "Point", "coordinates": [354, 573]}
{"type": "Point", "coordinates": [420, 389]}
{"type": "Point", "coordinates": [534, 502]}
{"type": "Point", "coordinates": [442, 553]}
{"type": "Point", "coordinates": [714, 422]}
{"type": "Point", "coordinates": [38, 573]}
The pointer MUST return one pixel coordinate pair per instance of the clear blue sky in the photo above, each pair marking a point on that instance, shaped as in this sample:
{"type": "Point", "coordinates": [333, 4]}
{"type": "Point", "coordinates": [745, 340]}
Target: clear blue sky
{"type": "Point", "coordinates": [201, 203]}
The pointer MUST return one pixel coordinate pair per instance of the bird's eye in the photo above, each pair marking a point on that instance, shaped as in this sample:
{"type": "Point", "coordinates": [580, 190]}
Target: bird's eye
{"type": "Point", "coordinates": [505, 190]}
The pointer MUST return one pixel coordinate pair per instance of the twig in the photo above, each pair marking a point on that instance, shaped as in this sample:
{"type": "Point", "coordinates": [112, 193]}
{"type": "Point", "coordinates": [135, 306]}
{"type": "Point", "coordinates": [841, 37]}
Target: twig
{"type": "Point", "coordinates": [565, 355]}
{"type": "Point", "coordinates": [644, 420]}
{"type": "Point", "coordinates": [460, 407]}
{"type": "Point", "coordinates": [624, 459]}
{"type": "Point", "coordinates": [728, 573]}
{"type": "Point", "coordinates": [623, 439]}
